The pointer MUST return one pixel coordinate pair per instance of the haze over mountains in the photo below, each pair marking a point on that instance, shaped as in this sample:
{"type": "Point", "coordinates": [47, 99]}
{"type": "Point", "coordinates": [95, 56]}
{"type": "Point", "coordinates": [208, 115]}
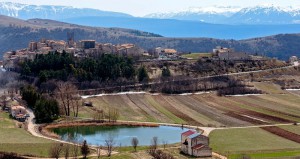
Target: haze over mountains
{"type": "Point", "coordinates": [212, 22]}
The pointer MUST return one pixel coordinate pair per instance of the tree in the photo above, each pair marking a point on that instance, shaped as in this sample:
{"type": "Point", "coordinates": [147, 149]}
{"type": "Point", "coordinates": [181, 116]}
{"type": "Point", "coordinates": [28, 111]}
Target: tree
{"type": "Point", "coordinates": [153, 146]}
{"type": "Point", "coordinates": [113, 114]}
{"type": "Point", "coordinates": [165, 72]}
{"type": "Point", "coordinates": [99, 151]}
{"type": "Point", "coordinates": [46, 110]}
{"type": "Point", "coordinates": [55, 150]}
{"type": "Point", "coordinates": [30, 95]}
{"type": "Point", "coordinates": [85, 150]}
{"type": "Point", "coordinates": [154, 142]}
{"type": "Point", "coordinates": [142, 74]}
{"type": "Point", "coordinates": [134, 143]}
{"type": "Point", "coordinates": [110, 142]}
{"type": "Point", "coordinates": [165, 143]}
{"type": "Point", "coordinates": [67, 95]}
{"type": "Point", "coordinates": [75, 146]}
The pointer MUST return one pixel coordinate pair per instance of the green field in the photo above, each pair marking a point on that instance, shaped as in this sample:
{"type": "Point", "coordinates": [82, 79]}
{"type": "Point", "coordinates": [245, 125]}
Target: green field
{"type": "Point", "coordinates": [17, 140]}
{"type": "Point", "coordinates": [253, 142]}
{"type": "Point", "coordinates": [196, 55]}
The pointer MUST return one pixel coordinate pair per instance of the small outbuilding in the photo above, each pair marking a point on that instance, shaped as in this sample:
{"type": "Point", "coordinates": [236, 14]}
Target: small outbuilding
{"type": "Point", "coordinates": [195, 144]}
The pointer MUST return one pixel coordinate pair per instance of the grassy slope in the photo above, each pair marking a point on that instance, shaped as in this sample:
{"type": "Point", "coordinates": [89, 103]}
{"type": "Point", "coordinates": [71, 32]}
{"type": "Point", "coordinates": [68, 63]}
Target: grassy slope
{"type": "Point", "coordinates": [196, 55]}
{"type": "Point", "coordinates": [13, 139]}
{"type": "Point", "coordinates": [253, 141]}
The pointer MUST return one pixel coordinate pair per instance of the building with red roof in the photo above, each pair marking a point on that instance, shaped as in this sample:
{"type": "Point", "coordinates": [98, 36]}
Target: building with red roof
{"type": "Point", "coordinates": [195, 144]}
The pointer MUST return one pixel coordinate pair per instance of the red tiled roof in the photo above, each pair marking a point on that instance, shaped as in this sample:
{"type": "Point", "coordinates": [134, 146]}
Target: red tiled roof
{"type": "Point", "coordinates": [188, 133]}
{"type": "Point", "coordinates": [197, 147]}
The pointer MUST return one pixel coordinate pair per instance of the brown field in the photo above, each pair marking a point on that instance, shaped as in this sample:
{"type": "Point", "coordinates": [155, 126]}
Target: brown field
{"type": "Point", "coordinates": [277, 106]}
{"type": "Point", "coordinates": [283, 133]}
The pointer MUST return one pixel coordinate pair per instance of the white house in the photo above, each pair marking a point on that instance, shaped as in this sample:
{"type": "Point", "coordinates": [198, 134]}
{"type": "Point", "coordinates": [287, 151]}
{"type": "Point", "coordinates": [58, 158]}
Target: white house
{"type": "Point", "coordinates": [18, 112]}
{"type": "Point", "coordinates": [195, 144]}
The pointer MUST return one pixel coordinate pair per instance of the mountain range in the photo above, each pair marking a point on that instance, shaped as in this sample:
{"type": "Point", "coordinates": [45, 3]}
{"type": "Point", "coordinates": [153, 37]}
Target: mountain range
{"type": "Point", "coordinates": [16, 33]}
{"type": "Point", "coordinates": [24, 11]}
{"type": "Point", "coordinates": [212, 22]}
{"type": "Point", "coordinates": [265, 14]}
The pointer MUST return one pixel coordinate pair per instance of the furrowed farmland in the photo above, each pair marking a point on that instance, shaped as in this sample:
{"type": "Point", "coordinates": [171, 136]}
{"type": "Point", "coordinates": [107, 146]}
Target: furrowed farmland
{"type": "Point", "coordinates": [207, 109]}
{"type": "Point", "coordinates": [240, 121]}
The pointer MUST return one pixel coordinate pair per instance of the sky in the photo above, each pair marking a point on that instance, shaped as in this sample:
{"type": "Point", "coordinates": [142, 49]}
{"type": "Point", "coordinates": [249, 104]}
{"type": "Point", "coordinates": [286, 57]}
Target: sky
{"type": "Point", "coordinates": [144, 7]}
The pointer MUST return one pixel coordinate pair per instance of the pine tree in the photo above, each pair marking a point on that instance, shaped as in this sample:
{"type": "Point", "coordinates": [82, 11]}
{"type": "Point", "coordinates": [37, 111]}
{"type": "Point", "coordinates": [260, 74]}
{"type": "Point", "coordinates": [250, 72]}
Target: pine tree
{"type": "Point", "coordinates": [85, 150]}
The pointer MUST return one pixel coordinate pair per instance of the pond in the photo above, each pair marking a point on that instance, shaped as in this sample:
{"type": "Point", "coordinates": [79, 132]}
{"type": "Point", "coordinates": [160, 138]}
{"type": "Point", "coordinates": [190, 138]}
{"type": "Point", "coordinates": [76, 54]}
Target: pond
{"type": "Point", "coordinates": [122, 135]}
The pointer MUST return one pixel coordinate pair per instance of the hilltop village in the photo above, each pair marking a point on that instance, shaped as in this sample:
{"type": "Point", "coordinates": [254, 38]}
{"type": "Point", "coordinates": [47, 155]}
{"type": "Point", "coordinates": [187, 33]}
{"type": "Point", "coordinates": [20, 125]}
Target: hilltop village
{"type": "Point", "coordinates": [90, 48]}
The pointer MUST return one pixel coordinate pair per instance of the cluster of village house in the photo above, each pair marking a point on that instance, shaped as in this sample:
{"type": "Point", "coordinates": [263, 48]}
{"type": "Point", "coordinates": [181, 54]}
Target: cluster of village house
{"type": "Point", "coordinates": [17, 112]}
{"type": "Point", "coordinates": [85, 48]}
{"type": "Point", "coordinates": [82, 48]}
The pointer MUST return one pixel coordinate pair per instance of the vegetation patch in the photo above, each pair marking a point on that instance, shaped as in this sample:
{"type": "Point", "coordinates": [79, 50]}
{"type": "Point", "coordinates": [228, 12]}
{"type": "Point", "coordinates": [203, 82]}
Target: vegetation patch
{"type": "Point", "coordinates": [248, 141]}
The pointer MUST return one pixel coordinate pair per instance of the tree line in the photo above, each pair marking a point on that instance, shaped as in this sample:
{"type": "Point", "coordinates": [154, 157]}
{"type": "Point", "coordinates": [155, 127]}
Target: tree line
{"type": "Point", "coordinates": [63, 66]}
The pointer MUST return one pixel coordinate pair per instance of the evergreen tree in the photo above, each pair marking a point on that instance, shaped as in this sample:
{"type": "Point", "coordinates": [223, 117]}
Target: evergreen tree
{"type": "Point", "coordinates": [142, 74]}
{"type": "Point", "coordinates": [166, 72]}
{"type": "Point", "coordinates": [85, 150]}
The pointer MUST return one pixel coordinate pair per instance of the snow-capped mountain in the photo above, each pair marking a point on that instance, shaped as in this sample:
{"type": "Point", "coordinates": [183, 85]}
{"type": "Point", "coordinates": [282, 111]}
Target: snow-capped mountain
{"type": "Point", "coordinates": [212, 14]}
{"type": "Point", "coordinates": [264, 14]}
{"type": "Point", "coordinates": [24, 11]}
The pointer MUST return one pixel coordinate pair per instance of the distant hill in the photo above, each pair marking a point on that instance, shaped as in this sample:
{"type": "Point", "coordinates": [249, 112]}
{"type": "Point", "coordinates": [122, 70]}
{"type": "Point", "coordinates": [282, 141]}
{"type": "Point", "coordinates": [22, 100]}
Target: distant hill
{"type": "Point", "coordinates": [263, 14]}
{"type": "Point", "coordinates": [24, 11]}
{"type": "Point", "coordinates": [179, 28]}
{"type": "Point", "coordinates": [16, 33]}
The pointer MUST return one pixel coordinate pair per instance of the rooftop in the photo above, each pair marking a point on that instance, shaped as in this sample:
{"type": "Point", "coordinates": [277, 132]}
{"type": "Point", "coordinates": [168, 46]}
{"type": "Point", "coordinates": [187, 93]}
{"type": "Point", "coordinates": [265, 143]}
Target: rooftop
{"type": "Point", "coordinates": [188, 133]}
{"type": "Point", "coordinates": [197, 147]}
{"type": "Point", "coordinates": [194, 135]}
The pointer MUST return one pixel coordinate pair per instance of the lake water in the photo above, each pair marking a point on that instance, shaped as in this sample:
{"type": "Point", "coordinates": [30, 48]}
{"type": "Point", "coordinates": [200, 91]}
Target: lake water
{"type": "Point", "coordinates": [96, 135]}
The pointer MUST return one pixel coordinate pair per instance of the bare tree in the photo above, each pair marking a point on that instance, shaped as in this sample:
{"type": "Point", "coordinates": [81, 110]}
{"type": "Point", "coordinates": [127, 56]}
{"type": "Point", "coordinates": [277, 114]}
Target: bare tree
{"type": "Point", "coordinates": [75, 147]}
{"type": "Point", "coordinates": [134, 143]}
{"type": "Point", "coordinates": [67, 96]}
{"type": "Point", "coordinates": [67, 151]}
{"type": "Point", "coordinates": [67, 147]}
{"type": "Point", "coordinates": [165, 143]}
{"type": "Point", "coordinates": [98, 115]}
{"type": "Point", "coordinates": [113, 114]}
{"type": "Point", "coordinates": [154, 142]}
{"type": "Point", "coordinates": [56, 150]}
{"type": "Point", "coordinates": [110, 142]}
{"type": "Point", "coordinates": [99, 151]}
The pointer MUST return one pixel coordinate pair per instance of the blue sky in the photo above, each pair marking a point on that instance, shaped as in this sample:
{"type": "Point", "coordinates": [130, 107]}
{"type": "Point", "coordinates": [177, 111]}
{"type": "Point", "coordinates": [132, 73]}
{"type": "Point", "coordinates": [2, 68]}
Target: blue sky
{"type": "Point", "coordinates": [143, 7]}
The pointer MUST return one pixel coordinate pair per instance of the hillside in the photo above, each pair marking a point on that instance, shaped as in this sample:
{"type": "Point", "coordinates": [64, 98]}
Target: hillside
{"type": "Point", "coordinates": [181, 28]}
{"type": "Point", "coordinates": [16, 34]}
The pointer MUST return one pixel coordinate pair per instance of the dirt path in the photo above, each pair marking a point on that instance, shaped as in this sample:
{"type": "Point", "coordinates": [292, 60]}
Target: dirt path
{"type": "Point", "coordinates": [32, 129]}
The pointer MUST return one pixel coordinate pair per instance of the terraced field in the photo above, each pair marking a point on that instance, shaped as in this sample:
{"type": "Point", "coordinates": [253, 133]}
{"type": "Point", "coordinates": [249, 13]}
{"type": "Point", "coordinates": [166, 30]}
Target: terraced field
{"type": "Point", "coordinates": [277, 106]}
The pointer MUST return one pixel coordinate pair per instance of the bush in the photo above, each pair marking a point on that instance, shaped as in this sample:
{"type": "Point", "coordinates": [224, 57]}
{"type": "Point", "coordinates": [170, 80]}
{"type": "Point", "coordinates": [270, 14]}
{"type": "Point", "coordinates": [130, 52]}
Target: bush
{"type": "Point", "coordinates": [6, 155]}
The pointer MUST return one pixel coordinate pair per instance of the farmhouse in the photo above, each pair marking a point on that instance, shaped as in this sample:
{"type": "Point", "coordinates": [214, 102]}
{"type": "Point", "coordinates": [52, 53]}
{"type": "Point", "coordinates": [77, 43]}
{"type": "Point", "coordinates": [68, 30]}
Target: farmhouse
{"type": "Point", "coordinates": [18, 112]}
{"type": "Point", "coordinates": [195, 144]}
{"type": "Point", "coordinates": [230, 54]}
